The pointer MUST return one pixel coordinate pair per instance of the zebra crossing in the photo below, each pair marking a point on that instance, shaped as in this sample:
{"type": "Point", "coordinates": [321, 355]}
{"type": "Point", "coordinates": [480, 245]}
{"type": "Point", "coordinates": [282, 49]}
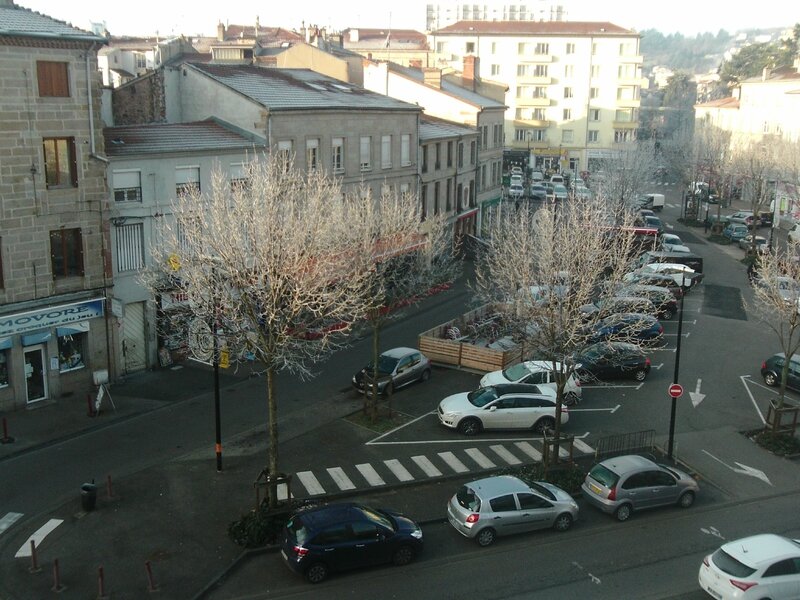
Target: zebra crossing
{"type": "Point", "coordinates": [332, 480]}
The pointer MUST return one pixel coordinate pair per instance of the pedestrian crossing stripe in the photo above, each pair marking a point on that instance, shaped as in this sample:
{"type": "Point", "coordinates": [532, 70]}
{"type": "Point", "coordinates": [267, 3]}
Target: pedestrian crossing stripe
{"type": "Point", "coordinates": [370, 474]}
{"type": "Point", "coordinates": [505, 454]}
{"type": "Point", "coordinates": [453, 462]}
{"type": "Point", "coordinates": [583, 446]}
{"type": "Point", "coordinates": [8, 520]}
{"type": "Point", "coordinates": [341, 479]}
{"type": "Point", "coordinates": [529, 450]}
{"type": "Point", "coordinates": [396, 467]}
{"type": "Point", "coordinates": [310, 482]}
{"type": "Point", "coordinates": [480, 458]}
{"type": "Point", "coordinates": [427, 466]}
{"type": "Point", "coordinates": [37, 537]}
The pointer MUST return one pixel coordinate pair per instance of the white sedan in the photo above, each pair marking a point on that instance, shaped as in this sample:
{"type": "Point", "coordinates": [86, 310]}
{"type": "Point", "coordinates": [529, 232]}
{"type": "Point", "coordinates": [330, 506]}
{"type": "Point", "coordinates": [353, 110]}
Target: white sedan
{"type": "Point", "coordinates": [760, 566]}
{"type": "Point", "coordinates": [682, 275]}
{"type": "Point", "coordinates": [538, 372]}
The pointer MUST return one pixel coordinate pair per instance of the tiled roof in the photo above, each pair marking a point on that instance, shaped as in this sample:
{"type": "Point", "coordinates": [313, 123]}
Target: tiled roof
{"type": "Point", "coordinates": [431, 128]}
{"type": "Point", "coordinates": [18, 21]}
{"type": "Point", "coordinates": [201, 136]}
{"type": "Point", "coordinates": [534, 28]}
{"type": "Point", "coordinates": [298, 89]}
{"type": "Point", "coordinates": [730, 102]}
{"type": "Point", "coordinates": [448, 87]}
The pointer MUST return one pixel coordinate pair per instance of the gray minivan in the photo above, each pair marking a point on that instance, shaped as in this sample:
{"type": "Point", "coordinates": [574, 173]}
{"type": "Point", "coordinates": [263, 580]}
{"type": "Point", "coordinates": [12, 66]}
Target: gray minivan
{"type": "Point", "coordinates": [682, 258]}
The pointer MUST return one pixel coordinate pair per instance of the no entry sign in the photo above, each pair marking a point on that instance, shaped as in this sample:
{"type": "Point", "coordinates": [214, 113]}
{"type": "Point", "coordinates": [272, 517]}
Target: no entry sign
{"type": "Point", "coordinates": [676, 390]}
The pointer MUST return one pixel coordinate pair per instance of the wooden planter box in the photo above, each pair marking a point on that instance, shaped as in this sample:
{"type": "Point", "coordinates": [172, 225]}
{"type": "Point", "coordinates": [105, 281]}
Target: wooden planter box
{"type": "Point", "coordinates": [473, 341]}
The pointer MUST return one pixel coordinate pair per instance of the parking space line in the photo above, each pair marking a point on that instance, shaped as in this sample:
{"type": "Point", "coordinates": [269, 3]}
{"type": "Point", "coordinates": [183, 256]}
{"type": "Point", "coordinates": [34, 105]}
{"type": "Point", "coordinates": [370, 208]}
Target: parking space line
{"type": "Point", "coordinates": [480, 458]}
{"type": "Point", "coordinates": [529, 450]}
{"type": "Point", "coordinates": [283, 492]}
{"type": "Point", "coordinates": [8, 520]}
{"type": "Point", "coordinates": [427, 466]}
{"type": "Point", "coordinates": [398, 428]}
{"type": "Point", "coordinates": [310, 482]}
{"type": "Point", "coordinates": [341, 479]}
{"type": "Point", "coordinates": [370, 474]}
{"type": "Point", "coordinates": [505, 455]}
{"type": "Point", "coordinates": [583, 446]}
{"type": "Point", "coordinates": [37, 537]}
{"type": "Point", "coordinates": [453, 462]}
{"type": "Point", "coordinates": [399, 471]}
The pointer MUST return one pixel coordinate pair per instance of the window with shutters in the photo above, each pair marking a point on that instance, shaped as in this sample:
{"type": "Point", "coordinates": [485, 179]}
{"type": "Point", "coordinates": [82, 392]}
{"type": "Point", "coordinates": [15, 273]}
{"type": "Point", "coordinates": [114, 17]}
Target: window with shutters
{"type": "Point", "coordinates": [127, 186]}
{"type": "Point", "coordinates": [187, 180]}
{"type": "Point", "coordinates": [386, 152]}
{"type": "Point", "coordinates": [312, 154]}
{"type": "Point", "coordinates": [337, 155]}
{"type": "Point", "coordinates": [66, 253]}
{"type": "Point", "coordinates": [60, 162]}
{"type": "Point", "coordinates": [366, 152]}
{"type": "Point", "coordinates": [53, 79]}
{"type": "Point", "coordinates": [130, 247]}
{"type": "Point", "coordinates": [405, 150]}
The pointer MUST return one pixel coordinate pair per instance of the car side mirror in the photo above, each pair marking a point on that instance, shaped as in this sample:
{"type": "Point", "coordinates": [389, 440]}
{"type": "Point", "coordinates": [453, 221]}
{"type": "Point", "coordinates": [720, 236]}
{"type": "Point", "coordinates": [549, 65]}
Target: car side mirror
{"type": "Point", "coordinates": [492, 408]}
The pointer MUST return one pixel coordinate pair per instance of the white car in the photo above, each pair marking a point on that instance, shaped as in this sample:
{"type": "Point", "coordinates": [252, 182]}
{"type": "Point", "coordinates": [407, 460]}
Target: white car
{"type": "Point", "coordinates": [537, 176]}
{"type": "Point", "coordinates": [684, 276]}
{"type": "Point", "coordinates": [502, 406]}
{"type": "Point", "coordinates": [516, 191]}
{"type": "Point", "coordinates": [516, 170]}
{"type": "Point", "coordinates": [672, 243]}
{"type": "Point", "coordinates": [759, 566]}
{"type": "Point", "coordinates": [516, 180]}
{"type": "Point", "coordinates": [538, 372]}
{"type": "Point", "coordinates": [557, 178]}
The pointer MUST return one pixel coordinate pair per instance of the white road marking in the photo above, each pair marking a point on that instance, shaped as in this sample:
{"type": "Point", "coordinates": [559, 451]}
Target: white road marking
{"type": "Point", "coordinates": [427, 466]}
{"type": "Point", "coordinates": [310, 482]}
{"type": "Point", "coordinates": [611, 410]}
{"type": "Point", "coordinates": [529, 450]}
{"type": "Point", "coordinates": [583, 446]}
{"type": "Point", "coordinates": [480, 458]}
{"type": "Point", "coordinates": [399, 471]}
{"type": "Point", "coordinates": [8, 520]}
{"type": "Point", "coordinates": [753, 400]}
{"type": "Point", "coordinates": [283, 492]}
{"type": "Point", "coordinates": [453, 462]}
{"type": "Point", "coordinates": [398, 428]}
{"type": "Point", "coordinates": [370, 474]}
{"type": "Point", "coordinates": [505, 455]}
{"type": "Point", "coordinates": [341, 479]}
{"type": "Point", "coordinates": [37, 537]}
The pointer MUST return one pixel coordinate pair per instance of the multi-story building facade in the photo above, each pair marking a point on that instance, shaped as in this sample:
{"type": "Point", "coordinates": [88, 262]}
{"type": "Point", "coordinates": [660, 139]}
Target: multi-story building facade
{"type": "Point", "coordinates": [54, 276]}
{"type": "Point", "coordinates": [446, 13]}
{"type": "Point", "coordinates": [573, 87]}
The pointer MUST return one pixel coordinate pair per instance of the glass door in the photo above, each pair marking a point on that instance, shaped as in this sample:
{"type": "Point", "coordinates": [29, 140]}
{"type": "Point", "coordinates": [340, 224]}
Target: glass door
{"type": "Point", "coordinates": [35, 375]}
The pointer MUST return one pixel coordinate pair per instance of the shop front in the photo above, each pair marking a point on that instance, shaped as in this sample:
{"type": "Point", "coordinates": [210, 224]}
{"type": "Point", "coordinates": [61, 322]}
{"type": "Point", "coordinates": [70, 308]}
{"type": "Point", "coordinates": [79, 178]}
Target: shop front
{"type": "Point", "coordinates": [50, 352]}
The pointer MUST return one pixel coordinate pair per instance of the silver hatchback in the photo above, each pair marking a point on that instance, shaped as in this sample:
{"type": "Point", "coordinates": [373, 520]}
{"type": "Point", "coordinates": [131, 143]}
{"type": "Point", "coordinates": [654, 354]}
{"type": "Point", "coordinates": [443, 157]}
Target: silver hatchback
{"type": "Point", "coordinates": [504, 505]}
{"type": "Point", "coordinates": [623, 484]}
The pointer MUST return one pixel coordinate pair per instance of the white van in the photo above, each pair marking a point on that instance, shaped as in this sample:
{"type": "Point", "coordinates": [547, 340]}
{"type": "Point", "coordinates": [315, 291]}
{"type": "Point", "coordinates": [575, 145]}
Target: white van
{"type": "Point", "coordinates": [655, 201]}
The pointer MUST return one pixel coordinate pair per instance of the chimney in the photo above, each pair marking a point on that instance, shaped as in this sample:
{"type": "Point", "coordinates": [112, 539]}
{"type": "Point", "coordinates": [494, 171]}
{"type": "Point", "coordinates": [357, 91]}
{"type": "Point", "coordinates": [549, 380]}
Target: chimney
{"type": "Point", "coordinates": [353, 35]}
{"type": "Point", "coordinates": [256, 36]}
{"type": "Point", "coordinates": [432, 76]}
{"type": "Point", "coordinates": [471, 74]}
{"type": "Point", "coordinates": [220, 32]}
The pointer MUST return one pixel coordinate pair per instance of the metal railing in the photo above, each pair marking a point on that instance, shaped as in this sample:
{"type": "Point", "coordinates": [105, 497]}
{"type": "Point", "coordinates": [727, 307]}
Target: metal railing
{"type": "Point", "coordinates": [625, 443]}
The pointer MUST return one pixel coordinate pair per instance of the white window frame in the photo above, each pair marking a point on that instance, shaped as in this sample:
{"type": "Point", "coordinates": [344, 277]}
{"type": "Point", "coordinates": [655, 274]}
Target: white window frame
{"type": "Point", "coordinates": [129, 247]}
{"type": "Point", "coordinates": [337, 155]}
{"type": "Point", "coordinates": [593, 136]}
{"type": "Point", "coordinates": [312, 154]}
{"type": "Point", "coordinates": [127, 185]}
{"type": "Point", "coordinates": [386, 152]}
{"type": "Point", "coordinates": [186, 178]}
{"type": "Point", "coordinates": [365, 152]}
{"type": "Point", "coordinates": [567, 136]}
{"type": "Point", "coordinates": [405, 150]}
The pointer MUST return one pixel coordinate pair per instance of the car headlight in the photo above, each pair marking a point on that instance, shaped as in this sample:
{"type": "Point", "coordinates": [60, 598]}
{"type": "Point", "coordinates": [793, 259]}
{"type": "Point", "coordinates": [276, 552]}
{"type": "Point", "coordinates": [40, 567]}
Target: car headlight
{"type": "Point", "coordinates": [417, 534]}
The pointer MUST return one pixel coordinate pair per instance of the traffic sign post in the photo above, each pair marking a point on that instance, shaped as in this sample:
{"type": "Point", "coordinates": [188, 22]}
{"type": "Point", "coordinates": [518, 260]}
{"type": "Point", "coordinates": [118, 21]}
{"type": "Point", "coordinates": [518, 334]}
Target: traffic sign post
{"type": "Point", "coordinates": [676, 390]}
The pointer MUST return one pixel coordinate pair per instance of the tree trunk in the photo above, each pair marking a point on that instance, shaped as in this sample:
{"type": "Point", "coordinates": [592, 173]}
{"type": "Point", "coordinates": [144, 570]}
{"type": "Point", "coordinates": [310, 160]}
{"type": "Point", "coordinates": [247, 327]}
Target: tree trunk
{"type": "Point", "coordinates": [272, 417]}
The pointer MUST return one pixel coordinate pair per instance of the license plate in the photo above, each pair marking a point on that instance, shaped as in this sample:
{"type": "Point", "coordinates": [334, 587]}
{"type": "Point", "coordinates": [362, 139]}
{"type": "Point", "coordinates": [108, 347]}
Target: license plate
{"type": "Point", "coordinates": [597, 490]}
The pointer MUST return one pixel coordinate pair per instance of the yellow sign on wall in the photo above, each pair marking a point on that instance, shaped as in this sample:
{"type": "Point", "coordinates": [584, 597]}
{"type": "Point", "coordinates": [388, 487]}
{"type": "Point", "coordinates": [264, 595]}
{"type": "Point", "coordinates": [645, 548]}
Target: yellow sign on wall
{"type": "Point", "coordinates": [224, 359]}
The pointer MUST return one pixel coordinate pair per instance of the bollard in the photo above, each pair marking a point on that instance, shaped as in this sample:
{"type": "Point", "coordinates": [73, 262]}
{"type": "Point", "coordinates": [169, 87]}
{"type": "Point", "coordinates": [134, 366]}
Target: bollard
{"type": "Point", "coordinates": [6, 439]}
{"type": "Point", "coordinates": [109, 493]}
{"type": "Point", "coordinates": [34, 568]}
{"type": "Point", "coordinates": [57, 587]}
{"type": "Point", "coordinates": [151, 586]}
{"type": "Point", "coordinates": [90, 408]}
{"type": "Point", "coordinates": [101, 584]}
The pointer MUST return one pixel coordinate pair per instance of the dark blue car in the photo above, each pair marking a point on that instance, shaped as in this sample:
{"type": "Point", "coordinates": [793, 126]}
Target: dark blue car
{"type": "Point", "coordinates": [343, 536]}
{"type": "Point", "coordinates": [628, 327]}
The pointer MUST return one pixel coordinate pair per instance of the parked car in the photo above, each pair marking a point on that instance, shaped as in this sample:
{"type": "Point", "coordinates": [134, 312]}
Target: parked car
{"type": "Point", "coordinates": [611, 360]}
{"type": "Point", "coordinates": [516, 191]}
{"type": "Point", "coordinates": [654, 222]}
{"type": "Point", "coordinates": [683, 258]}
{"type": "Point", "coordinates": [786, 287]}
{"type": "Point", "coordinates": [397, 368]}
{"type": "Point", "coordinates": [537, 192]}
{"type": "Point", "coordinates": [623, 484]}
{"type": "Point", "coordinates": [537, 372]}
{"type": "Point", "coordinates": [343, 536]}
{"type": "Point", "coordinates": [646, 212]}
{"type": "Point", "coordinates": [760, 566]}
{"type": "Point", "coordinates": [611, 305]}
{"type": "Point", "coordinates": [509, 406]}
{"type": "Point", "coordinates": [772, 369]}
{"type": "Point", "coordinates": [560, 191]}
{"type": "Point", "coordinates": [652, 201]}
{"type": "Point", "coordinates": [515, 170]}
{"type": "Point", "coordinates": [684, 276]}
{"type": "Point", "coordinates": [745, 217]}
{"type": "Point", "coordinates": [663, 281]}
{"type": "Point", "coordinates": [582, 193]}
{"type": "Point", "coordinates": [665, 302]}
{"type": "Point", "coordinates": [557, 178]}
{"type": "Point", "coordinates": [746, 243]}
{"type": "Point", "coordinates": [673, 243]}
{"type": "Point", "coordinates": [537, 176]}
{"type": "Point", "coordinates": [485, 509]}
{"type": "Point", "coordinates": [633, 327]}
{"type": "Point", "coordinates": [735, 231]}
{"type": "Point", "coordinates": [516, 180]}
{"type": "Point", "coordinates": [794, 233]}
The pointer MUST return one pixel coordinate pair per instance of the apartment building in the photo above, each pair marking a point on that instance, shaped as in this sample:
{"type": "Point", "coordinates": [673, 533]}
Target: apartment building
{"type": "Point", "coordinates": [446, 13]}
{"type": "Point", "coordinates": [573, 87]}
{"type": "Point", "coordinates": [54, 276]}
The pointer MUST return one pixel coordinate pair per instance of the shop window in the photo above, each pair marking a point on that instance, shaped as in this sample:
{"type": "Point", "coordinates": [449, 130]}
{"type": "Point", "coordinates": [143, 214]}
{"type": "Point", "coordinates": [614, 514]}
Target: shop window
{"type": "Point", "coordinates": [71, 351]}
{"type": "Point", "coordinates": [3, 368]}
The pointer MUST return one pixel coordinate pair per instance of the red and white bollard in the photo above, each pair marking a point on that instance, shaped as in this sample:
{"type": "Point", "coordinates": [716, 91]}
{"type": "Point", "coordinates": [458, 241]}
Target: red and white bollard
{"type": "Point", "coordinates": [151, 584]}
{"type": "Point", "coordinates": [57, 586]}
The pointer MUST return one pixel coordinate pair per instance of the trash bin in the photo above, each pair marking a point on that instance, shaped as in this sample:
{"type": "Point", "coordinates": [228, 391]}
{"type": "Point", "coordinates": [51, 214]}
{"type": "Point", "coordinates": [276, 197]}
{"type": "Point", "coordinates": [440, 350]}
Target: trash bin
{"type": "Point", "coordinates": [88, 496]}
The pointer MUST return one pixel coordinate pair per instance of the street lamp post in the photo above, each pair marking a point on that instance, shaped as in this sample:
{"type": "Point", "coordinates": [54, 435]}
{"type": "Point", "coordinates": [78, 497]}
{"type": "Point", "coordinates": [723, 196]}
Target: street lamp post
{"type": "Point", "coordinates": [673, 408]}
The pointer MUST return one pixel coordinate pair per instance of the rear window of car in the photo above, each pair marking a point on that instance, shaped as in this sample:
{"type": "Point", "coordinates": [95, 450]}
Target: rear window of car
{"type": "Point", "coordinates": [543, 491]}
{"type": "Point", "coordinates": [727, 564]}
{"type": "Point", "coordinates": [296, 531]}
{"type": "Point", "coordinates": [604, 475]}
{"type": "Point", "coordinates": [468, 499]}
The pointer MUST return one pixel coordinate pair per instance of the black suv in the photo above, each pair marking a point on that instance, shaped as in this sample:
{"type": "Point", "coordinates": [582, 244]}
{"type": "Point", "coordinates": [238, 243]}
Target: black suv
{"type": "Point", "coordinates": [347, 535]}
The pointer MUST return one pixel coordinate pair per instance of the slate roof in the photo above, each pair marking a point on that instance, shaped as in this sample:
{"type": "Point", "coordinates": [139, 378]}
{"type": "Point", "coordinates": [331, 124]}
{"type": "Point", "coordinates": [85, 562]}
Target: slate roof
{"type": "Point", "coordinates": [298, 89]}
{"type": "Point", "coordinates": [541, 28]}
{"type": "Point", "coordinates": [431, 128]}
{"type": "Point", "coordinates": [462, 93]}
{"type": "Point", "coordinates": [200, 136]}
{"type": "Point", "coordinates": [19, 21]}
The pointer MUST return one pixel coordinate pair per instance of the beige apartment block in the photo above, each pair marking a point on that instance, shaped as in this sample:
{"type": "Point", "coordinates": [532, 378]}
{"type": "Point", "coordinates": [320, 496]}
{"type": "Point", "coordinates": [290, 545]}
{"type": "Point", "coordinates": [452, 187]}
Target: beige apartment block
{"type": "Point", "coordinates": [573, 87]}
{"type": "Point", "coordinates": [54, 276]}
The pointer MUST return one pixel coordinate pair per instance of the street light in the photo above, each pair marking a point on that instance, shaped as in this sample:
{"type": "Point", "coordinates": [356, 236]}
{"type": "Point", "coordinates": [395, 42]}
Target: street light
{"type": "Point", "coordinates": [671, 441]}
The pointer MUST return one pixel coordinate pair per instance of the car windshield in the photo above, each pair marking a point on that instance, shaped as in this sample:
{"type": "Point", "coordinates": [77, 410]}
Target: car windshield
{"type": "Point", "coordinates": [377, 516]}
{"type": "Point", "coordinates": [604, 475]}
{"type": "Point", "coordinates": [543, 491]}
{"type": "Point", "coordinates": [727, 564]}
{"type": "Point", "coordinates": [386, 364]}
{"type": "Point", "coordinates": [482, 396]}
{"type": "Point", "coordinates": [516, 372]}
{"type": "Point", "coordinates": [467, 498]}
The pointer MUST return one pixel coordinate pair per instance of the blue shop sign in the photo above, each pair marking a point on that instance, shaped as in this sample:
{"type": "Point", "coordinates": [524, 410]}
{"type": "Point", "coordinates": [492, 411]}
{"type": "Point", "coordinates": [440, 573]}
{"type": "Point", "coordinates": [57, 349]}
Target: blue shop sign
{"type": "Point", "coordinates": [53, 316]}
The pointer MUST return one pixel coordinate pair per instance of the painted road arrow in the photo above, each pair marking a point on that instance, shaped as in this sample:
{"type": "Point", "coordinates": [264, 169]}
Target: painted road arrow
{"type": "Point", "coordinates": [696, 396]}
{"type": "Point", "coordinates": [743, 469]}
{"type": "Point", "coordinates": [611, 410]}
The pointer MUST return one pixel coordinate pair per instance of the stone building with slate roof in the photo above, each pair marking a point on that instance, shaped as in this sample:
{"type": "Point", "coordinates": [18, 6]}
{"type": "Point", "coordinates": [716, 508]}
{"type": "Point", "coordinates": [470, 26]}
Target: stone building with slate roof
{"type": "Point", "coordinates": [54, 267]}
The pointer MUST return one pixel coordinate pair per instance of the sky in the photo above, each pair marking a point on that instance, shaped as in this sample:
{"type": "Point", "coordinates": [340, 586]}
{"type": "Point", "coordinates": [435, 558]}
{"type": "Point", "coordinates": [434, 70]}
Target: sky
{"type": "Point", "coordinates": [192, 17]}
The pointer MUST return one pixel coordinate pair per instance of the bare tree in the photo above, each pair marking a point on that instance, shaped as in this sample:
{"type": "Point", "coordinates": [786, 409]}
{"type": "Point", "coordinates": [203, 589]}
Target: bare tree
{"type": "Point", "coordinates": [408, 258]}
{"type": "Point", "coordinates": [627, 168]}
{"type": "Point", "coordinates": [543, 269]}
{"type": "Point", "coordinates": [273, 263]}
{"type": "Point", "coordinates": [709, 163]}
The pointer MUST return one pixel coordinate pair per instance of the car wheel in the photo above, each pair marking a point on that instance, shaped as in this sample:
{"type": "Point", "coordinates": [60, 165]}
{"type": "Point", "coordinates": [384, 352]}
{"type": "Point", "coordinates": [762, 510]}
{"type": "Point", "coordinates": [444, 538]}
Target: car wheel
{"type": "Point", "coordinates": [669, 313]}
{"type": "Point", "coordinates": [563, 522]}
{"type": "Point", "coordinates": [623, 513]}
{"type": "Point", "coordinates": [403, 555]}
{"type": "Point", "coordinates": [426, 374]}
{"type": "Point", "coordinates": [686, 499]}
{"type": "Point", "coordinates": [317, 573]}
{"type": "Point", "coordinates": [470, 426]}
{"type": "Point", "coordinates": [640, 375]}
{"type": "Point", "coordinates": [771, 379]}
{"type": "Point", "coordinates": [387, 391]}
{"type": "Point", "coordinates": [486, 537]}
{"type": "Point", "coordinates": [545, 425]}
{"type": "Point", "coordinates": [571, 399]}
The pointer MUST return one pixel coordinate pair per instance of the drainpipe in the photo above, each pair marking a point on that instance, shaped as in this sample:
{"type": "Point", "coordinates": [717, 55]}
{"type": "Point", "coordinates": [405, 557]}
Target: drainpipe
{"type": "Point", "coordinates": [92, 145]}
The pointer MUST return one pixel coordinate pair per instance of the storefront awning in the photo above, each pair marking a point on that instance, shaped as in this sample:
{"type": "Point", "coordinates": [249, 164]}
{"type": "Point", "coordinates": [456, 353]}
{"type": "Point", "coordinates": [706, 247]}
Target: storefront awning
{"type": "Point", "coordinates": [73, 328]}
{"type": "Point", "coordinates": [37, 337]}
{"type": "Point", "coordinates": [5, 343]}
